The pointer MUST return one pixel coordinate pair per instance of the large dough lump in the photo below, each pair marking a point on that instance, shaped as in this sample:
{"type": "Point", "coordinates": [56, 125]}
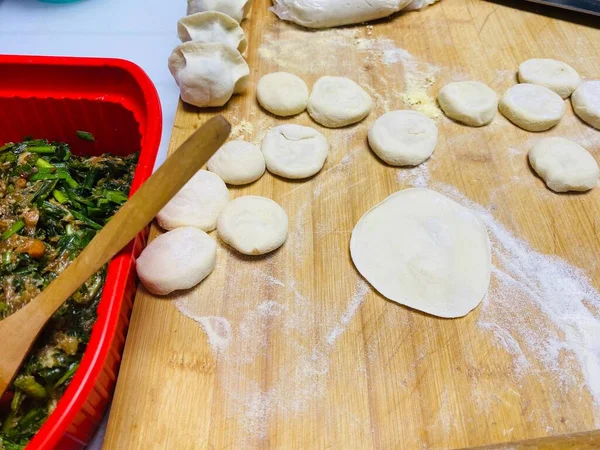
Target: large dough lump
{"type": "Point", "coordinates": [197, 204]}
{"type": "Point", "coordinates": [179, 259]}
{"type": "Point", "coordinates": [253, 225]}
{"type": "Point", "coordinates": [425, 251]}
{"type": "Point", "coordinates": [564, 165]}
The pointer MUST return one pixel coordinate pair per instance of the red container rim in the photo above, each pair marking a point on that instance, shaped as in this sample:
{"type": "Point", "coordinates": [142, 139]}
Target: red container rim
{"type": "Point", "coordinates": [103, 332]}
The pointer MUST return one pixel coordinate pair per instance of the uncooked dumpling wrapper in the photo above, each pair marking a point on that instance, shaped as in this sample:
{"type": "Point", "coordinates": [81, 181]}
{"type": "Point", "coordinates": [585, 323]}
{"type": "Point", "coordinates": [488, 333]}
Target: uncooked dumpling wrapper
{"type": "Point", "coordinates": [423, 250]}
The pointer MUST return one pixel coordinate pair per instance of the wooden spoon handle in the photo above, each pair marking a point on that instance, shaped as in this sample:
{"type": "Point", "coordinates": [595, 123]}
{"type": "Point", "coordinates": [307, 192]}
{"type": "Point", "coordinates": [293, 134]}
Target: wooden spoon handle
{"type": "Point", "coordinates": [18, 331]}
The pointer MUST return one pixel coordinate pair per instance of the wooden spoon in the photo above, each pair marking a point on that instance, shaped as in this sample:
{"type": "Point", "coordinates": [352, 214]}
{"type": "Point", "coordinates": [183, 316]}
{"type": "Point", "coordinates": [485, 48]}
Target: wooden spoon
{"type": "Point", "coordinates": [19, 331]}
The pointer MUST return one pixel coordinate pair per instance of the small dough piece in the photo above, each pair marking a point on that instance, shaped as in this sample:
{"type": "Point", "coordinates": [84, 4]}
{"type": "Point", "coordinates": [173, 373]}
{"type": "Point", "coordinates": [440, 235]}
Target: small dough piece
{"type": "Point", "coordinates": [334, 13]}
{"type": "Point", "coordinates": [403, 138]}
{"type": "Point", "coordinates": [236, 9]}
{"type": "Point", "coordinates": [212, 26]}
{"type": "Point", "coordinates": [295, 152]}
{"type": "Point", "coordinates": [586, 102]}
{"type": "Point", "coordinates": [282, 94]}
{"type": "Point", "coordinates": [179, 259]}
{"type": "Point", "coordinates": [208, 74]}
{"type": "Point", "coordinates": [555, 75]}
{"type": "Point", "coordinates": [197, 204]}
{"type": "Point", "coordinates": [423, 250]}
{"type": "Point", "coordinates": [238, 162]}
{"type": "Point", "coordinates": [253, 225]}
{"type": "Point", "coordinates": [532, 107]}
{"type": "Point", "coordinates": [469, 102]}
{"type": "Point", "coordinates": [337, 101]}
{"type": "Point", "coordinates": [564, 165]}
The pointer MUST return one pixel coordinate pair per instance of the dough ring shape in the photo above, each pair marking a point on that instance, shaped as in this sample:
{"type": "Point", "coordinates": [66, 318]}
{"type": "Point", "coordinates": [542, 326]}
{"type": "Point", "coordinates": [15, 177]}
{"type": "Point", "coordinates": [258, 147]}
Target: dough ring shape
{"type": "Point", "coordinates": [564, 165]}
{"type": "Point", "coordinates": [212, 26]}
{"type": "Point", "coordinates": [179, 259]}
{"type": "Point", "coordinates": [236, 9]}
{"type": "Point", "coordinates": [295, 152]}
{"type": "Point", "coordinates": [282, 94]}
{"type": "Point", "coordinates": [586, 102]}
{"type": "Point", "coordinates": [403, 138]}
{"type": "Point", "coordinates": [336, 102]}
{"type": "Point", "coordinates": [238, 162]}
{"type": "Point", "coordinates": [469, 102]}
{"type": "Point", "coordinates": [555, 75]}
{"type": "Point", "coordinates": [532, 107]}
{"type": "Point", "coordinates": [423, 250]}
{"type": "Point", "coordinates": [208, 74]}
{"type": "Point", "coordinates": [197, 204]}
{"type": "Point", "coordinates": [253, 225]}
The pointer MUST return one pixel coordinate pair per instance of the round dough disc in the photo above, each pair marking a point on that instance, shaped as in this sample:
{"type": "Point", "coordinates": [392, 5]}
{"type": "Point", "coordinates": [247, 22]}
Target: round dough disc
{"type": "Point", "coordinates": [532, 107]}
{"type": "Point", "coordinates": [336, 102]}
{"type": "Point", "coordinates": [403, 138]}
{"type": "Point", "coordinates": [282, 94]}
{"type": "Point", "coordinates": [179, 259]}
{"type": "Point", "coordinates": [293, 151]}
{"type": "Point", "coordinates": [197, 204]}
{"type": "Point", "coordinates": [238, 162]}
{"type": "Point", "coordinates": [469, 102]}
{"type": "Point", "coordinates": [555, 75]}
{"type": "Point", "coordinates": [253, 225]}
{"type": "Point", "coordinates": [423, 250]}
{"type": "Point", "coordinates": [564, 165]}
{"type": "Point", "coordinates": [586, 102]}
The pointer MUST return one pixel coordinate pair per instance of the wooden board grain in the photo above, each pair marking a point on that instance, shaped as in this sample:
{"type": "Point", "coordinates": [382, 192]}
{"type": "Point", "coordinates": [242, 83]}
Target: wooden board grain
{"type": "Point", "coordinates": [316, 358]}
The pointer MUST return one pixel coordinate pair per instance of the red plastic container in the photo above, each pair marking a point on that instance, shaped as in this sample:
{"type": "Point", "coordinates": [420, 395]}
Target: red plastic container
{"type": "Point", "coordinates": [52, 98]}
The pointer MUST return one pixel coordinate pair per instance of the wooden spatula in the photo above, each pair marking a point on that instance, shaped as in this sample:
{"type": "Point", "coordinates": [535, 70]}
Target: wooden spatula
{"type": "Point", "coordinates": [19, 331]}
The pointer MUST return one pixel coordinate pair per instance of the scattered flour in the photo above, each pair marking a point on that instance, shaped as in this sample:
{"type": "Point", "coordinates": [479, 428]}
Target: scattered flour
{"type": "Point", "coordinates": [242, 129]}
{"type": "Point", "coordinates": [414, 176]}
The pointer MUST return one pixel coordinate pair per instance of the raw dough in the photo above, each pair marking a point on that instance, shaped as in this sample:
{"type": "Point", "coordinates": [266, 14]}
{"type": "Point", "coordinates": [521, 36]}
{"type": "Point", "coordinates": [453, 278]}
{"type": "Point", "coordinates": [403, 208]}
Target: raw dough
{"type": "Point", "coordinates": [336, 102]}
{"type": "Point", "coordinates": [555, 75]}
{"type": "Point", "coordinates": [418, 4]}
{"type": "Point", "coordinates": [282, 94]}
{"type": "Point", "coordinates": [236, 9]}
{"type": "Point", "coordinates": [179, 259]}
{"type": "Point", "coordinates": [564, 165]}
{"type": "Point", "coordinates": [208, 74]}
{"type": "Point", "coordinates": [212, 26]}
{"type": "Point", "coordinates": [333, 13]}
{"type": "Point", "coordinates": [470, 102]}
{"type": "Point", "coordinates": [238, 162]}
{"type": "Point", "coordinates": [403, 138]}
{"type": "Point", "coordinates": [586, 102]}
{"type": "Point", "coordinates": [423, 250]}
{"type": "Point", "coordinates": [532, 107]}
{"type": "Point", "coordinates": [294, 151]}
{"type": "Point", "coordinates": [253, 225]}
{"type": "Point", "coordinates": [197, 204]}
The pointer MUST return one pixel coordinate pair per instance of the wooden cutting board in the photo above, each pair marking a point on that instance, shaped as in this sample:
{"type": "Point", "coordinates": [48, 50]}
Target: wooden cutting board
{"type": "Point", "coordinates": [306, 354]}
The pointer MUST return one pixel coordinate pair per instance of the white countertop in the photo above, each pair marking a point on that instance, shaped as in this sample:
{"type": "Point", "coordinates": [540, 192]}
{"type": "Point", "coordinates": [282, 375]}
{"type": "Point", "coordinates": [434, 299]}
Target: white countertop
{"type": "Point", "coordinates": [142, 31]}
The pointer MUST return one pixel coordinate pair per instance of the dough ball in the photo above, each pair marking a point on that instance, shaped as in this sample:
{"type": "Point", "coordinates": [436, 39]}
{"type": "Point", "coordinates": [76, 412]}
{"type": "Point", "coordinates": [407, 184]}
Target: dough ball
{"type": "Point", "coordinates": [586, 102]}
{"type": "Point", "coordinates": [333, 13]}
{"type": "Point", "coordinates": [208, 74]}
{"type": "Point", "coordinates": [423, 250]}
{"type": "Point", "coordinates": [336, 102]}
{"type": "Point", "coordinates": [197, 204]}
{"type": "Point", "coordinates": [179, 259]}
{"type": "Point", "coordinates": [282, 94]}
{"type": "Point", "coordinates": [469, 102]}
{"type": "Point", "coordinates": [564, 165]}
{"type": "Point", "coordinates": [253, 225]}
{"type": "Point", "coordinates": [236, 9]}
{"type": "Point", "coordinates": [212, 26]}
{"type": "Point", "coordinates": [238, 162]}
{"type": "Point", "coordinates": [555, 75]}
{"type": "Point", "coordinates": [532, 107]}
{"type": "Point", "coordinates": [294, 151]}
{"type": "Point", "coordinates": [403, 138]}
